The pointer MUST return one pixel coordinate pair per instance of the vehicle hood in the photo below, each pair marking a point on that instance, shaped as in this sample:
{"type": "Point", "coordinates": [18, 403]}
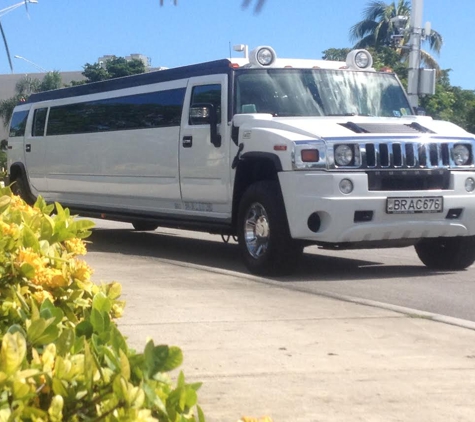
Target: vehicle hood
{"type": "Point", "coordinates": [353, 126]}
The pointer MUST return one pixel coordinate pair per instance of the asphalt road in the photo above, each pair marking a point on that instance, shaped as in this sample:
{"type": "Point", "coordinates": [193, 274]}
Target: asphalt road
{"type": "Point", "coordinates": [391, 276]}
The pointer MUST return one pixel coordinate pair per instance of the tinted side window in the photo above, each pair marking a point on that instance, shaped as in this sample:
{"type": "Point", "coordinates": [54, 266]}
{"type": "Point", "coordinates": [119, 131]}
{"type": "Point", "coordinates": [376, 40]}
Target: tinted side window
{"type": "Point", "coordinates": [39, 121]}
{"type": "Point", "coordinates": [208, 94]}
{"type": "Point", "coordinates": [18, 123]}
{"type": "Point", "coordinates": [141, 111]}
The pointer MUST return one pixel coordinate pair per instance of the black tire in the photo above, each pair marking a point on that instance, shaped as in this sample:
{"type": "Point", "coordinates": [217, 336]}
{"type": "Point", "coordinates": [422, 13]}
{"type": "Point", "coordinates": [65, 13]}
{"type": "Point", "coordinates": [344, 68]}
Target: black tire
{"type": "Point", "coordinates": [263, 231]}
{"type": "Point", "coordinates": [20, 187]}
{"type": "Point", "coordinates": [447, 253]}
{"type": "Point", "coordinates": [144, 226]}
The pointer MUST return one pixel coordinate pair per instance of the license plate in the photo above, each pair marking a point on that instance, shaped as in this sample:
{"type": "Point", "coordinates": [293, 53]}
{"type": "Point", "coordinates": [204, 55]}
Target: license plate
{"type": "Point", "coordinates": [415, 205]}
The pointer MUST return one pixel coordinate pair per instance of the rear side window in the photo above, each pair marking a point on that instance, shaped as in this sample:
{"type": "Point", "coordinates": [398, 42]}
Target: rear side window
{"type": "Point", "coordinates": [39, 121]}
{"type": "Point", "coordinates": [18, 123]}
{"type": "Point", "coordinates": [140, 111]}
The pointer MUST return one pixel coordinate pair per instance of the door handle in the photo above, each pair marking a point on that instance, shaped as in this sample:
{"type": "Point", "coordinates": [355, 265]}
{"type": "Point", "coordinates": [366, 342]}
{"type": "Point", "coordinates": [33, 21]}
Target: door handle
{"type": "Point", "coordinates": [28, 147]}
{"type": "Point", "coordinates": [187, 141]}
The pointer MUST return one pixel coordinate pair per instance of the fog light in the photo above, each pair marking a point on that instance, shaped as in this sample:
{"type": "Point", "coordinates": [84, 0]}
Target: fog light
{"type": "Point", "coordinates": [470, 184]}
{"type": "Point", "coordinates": [314, 222]}
{"type": "Point", "coordinates": [346, 186]}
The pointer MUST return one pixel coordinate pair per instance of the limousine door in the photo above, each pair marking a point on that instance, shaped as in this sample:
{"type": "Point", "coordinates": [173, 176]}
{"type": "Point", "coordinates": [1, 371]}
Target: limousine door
{"type": "Point", "coordinates": [204, 163]}
{"type": "Point", "coordinates": [35, 150]}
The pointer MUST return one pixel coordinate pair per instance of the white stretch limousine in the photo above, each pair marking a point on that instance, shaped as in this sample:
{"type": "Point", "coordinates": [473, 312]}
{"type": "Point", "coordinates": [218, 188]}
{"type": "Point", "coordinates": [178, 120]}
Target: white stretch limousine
{"type": "Point", "coordinates": [281, 153]}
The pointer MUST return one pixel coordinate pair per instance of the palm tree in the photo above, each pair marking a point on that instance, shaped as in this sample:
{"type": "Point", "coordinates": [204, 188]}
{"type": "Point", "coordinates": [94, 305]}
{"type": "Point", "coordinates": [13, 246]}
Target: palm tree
{"type": "Point", "coordinates": [377, 26]}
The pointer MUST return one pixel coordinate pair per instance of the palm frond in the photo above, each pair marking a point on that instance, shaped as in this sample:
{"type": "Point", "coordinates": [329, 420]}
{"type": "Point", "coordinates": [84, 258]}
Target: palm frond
{"type": "Point", "coordinates": [257, 8]}
{"type": "Point", "coordinates": [435, 41]}
{"type": "Point", "coordinates": [374, 10]}
{"type": "Point", "coordinates": [6, 47]}
{"type": "Point", "coordinates": [363, 28]}
{"type": "Point", "coordinates": [429, 61]}
{"type": "Point", "coordinates": [26, 7]}
{"type": "Point", "coordinates": [365, 42]}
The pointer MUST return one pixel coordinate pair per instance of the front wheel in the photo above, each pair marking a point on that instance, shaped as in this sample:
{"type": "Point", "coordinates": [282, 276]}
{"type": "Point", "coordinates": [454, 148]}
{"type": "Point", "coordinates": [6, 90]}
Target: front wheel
{"type": "Point", "coordinates": [447, 253]}
{"type": "Point", "coordinates": [263, 231]}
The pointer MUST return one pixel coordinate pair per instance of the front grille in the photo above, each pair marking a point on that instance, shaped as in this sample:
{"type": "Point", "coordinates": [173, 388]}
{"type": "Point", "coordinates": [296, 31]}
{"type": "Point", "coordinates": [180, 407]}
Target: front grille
{"type": "Point", "coordinates": [405, 155]}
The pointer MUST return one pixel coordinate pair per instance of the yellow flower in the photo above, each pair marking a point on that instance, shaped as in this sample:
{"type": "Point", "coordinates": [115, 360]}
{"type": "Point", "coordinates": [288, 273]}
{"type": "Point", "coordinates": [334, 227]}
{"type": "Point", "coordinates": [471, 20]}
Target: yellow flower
{"type": "Point", "coordinates": [8, 229]}
{"type": "Point", "coordinates": [76, 246]}
{"type": "Point", "coordinates": [117, 310]}
{"type": "Point", "coordinates": [41, 295]}
{"type": "Point", "coordinates": [44, 276]}
{"type": "Point", "coordinates": [81, 271]}
{"type": "Point", "coordinates": [18, 204]}
{"type": "Point", "coordinates": [56, 278]}
{"type": "Point", "coordinates": [30, 257]}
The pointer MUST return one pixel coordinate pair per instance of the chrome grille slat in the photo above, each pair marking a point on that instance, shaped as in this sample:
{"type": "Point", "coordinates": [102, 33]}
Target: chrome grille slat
{"type": "Point", "coordinates": [402, 154]}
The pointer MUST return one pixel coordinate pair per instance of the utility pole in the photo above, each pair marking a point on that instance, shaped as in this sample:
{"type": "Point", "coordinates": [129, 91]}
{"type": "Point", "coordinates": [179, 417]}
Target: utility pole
{"type": "Point", "coordinates": [415, 52]}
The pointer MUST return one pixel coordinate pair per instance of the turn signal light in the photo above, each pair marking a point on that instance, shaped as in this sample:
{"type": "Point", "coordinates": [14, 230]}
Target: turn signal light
{"type": "Point", "coordinates": [310, 155]}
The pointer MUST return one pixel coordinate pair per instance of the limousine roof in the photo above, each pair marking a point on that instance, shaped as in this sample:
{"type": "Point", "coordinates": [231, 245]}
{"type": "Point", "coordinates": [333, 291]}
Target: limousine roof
{"type": "Point", "coordinates": [208, 68]}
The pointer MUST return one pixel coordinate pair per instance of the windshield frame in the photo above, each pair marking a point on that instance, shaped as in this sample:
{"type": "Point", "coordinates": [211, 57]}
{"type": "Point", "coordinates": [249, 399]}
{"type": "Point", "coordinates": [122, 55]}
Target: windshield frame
{"type": "Point", "coordinates": [329, 82]}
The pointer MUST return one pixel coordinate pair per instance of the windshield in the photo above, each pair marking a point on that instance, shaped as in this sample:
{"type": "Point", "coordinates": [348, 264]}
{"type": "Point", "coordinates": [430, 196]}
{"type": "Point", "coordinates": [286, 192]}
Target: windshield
{"type": "Point", "coordinates": [319, 92]}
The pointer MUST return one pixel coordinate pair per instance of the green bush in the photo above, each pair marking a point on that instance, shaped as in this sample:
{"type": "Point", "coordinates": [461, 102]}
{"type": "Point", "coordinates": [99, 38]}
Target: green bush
{"type": "Point", "coordinates": [62, 356]}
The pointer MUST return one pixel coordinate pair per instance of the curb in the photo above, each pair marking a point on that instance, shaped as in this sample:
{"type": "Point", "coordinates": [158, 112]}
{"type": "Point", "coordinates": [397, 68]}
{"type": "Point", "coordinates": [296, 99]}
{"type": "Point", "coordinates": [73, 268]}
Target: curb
{"type": "Point", "coordinates": [410, 312]}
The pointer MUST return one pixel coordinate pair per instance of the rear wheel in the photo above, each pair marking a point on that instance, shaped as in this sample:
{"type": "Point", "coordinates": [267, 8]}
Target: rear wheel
{"type": "Point", "coordinates": [447, 253]}
{"type": "Point", "coordinates": [144, 226]}
{"type": "Point", "coordinates": [263, 231]}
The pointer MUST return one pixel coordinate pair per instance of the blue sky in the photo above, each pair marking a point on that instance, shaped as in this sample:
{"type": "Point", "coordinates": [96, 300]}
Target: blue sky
{"type": "Point", "coordinates": [65, 34]}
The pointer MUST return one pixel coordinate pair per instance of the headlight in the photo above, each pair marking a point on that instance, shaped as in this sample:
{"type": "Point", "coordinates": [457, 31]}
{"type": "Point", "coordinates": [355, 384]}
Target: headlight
{"type": "Point", "coordinates": [461, 155]}
{"type": "Point", "coordinates": [343, 155]}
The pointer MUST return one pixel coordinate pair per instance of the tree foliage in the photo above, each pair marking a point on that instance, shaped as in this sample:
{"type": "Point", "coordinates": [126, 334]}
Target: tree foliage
{"type": "Point", "coordinates": [114, 68]}
{"type": "Point", "coordinates": [451, 103]}
{"type": "Point", "coordinates": [24, 88]}
{"type": "Point", "coordinates": [337, 54]}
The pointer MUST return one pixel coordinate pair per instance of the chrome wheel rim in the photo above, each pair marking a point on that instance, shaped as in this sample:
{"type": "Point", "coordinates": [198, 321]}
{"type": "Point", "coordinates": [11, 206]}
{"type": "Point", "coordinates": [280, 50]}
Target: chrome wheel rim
{"type": "Point", "coordinates": [256, 230]}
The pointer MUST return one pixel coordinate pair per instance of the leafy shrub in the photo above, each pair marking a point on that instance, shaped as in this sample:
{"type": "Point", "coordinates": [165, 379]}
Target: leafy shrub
{"type": "Point", "coordinates": [62, 356]}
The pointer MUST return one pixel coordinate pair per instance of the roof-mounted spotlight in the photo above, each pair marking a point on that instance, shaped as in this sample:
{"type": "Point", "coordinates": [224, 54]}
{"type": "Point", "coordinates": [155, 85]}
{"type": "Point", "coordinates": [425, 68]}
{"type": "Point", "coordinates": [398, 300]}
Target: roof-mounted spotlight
{"type": "Point", "coordinates": [262, 56]}
{"type": "Point", "coordinates": [359, 60]}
